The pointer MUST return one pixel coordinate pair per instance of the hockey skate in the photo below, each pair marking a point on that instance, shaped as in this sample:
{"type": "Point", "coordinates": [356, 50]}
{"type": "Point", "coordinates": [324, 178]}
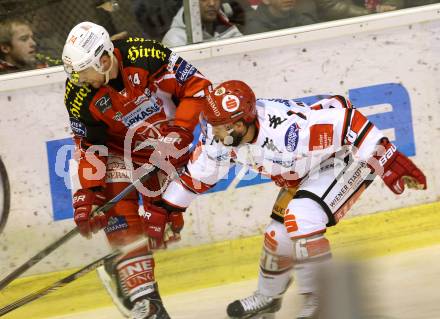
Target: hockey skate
{"type": "Point", "coordinates": [310, 308]}
{"type": "Point", "coordinates": [149, 307]}
{"type": "Point", "coordinates": [256, 306]}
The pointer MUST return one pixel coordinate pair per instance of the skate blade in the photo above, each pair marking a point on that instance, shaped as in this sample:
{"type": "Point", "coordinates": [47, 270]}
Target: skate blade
{"type": "Point", "coordinates": [107, 283]}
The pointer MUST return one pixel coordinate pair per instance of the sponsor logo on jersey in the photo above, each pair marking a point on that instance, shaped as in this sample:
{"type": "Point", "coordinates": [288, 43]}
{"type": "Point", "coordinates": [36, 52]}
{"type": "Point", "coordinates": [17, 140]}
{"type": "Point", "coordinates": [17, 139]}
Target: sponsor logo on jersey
{"type": "Point", "coordinates": [75, 102]}
{"type": "Point", "coordinates": [172, 61]}
{"type": "Point", "coordinates": [291, 138]}
{"type": "Point", "coordinates": [116, 223]}
{"type": "Point", "coordinates": [268, 143]}
{"type": "Point", "coordinates": [104, 103]}
{"type": "Point", "coordinates": [184, 72]}
{"type": "Point", "coordinates": [321, 136]}
{"type": "Point", "coordinates": [285, 164]}
{"type": "Point", "coordinates": [274, 121]}
{"type": "Point", "coordinates": [140, 113]}
{"type": "Point", "coordinates": [136, 52]}
{"type": "Point", "coordinates": [230, 103]}
{"type": "Point", "coordinates": [78, 127]}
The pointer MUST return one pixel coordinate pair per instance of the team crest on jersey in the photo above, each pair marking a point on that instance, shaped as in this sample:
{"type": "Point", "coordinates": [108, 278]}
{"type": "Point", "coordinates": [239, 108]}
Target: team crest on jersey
{"type": "Point", "coordinates": [291, 138]}
{"type": "Point", "coordinates": [104, 103]}
{"type": "Point", "coordinates": [184, 72]}
{"type": "Point", "coordinates": [230, 103]}
{"type": "Point", "coordinates": [78, 127]}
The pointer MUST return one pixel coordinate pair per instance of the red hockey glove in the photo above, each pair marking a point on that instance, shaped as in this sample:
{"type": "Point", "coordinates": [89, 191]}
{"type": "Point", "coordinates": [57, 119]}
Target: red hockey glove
{"type": "Point", "coordinates": [161, 226]}
{"type": "Point", "coordinates": [174, 227]}
{"type": "Point", "coordinates": [84, 202]}
{"type": "Point", "coordinates": [172, 148]}
{"type": "Point", "coordinates": [397, 169]}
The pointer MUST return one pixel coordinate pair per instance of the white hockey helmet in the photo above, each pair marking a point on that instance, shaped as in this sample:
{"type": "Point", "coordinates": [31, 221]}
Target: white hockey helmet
{"type": "Point", "coordinates": [84, 47]}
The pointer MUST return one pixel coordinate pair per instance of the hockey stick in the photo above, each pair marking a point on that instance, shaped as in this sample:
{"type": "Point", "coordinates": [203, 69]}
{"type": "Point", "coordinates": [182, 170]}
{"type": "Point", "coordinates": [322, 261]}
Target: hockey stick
{"type": "Point", "coordinates": [66, 280]}
{"type": "Point", "coordinates": [5, 195]}
{"type": "Point", "coordinates": [104, 208]}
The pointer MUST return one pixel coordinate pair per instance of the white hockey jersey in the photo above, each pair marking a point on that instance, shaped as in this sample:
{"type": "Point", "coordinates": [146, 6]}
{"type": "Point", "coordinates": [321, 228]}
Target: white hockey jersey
{"type": "Point", "coordinates": [292, 139]}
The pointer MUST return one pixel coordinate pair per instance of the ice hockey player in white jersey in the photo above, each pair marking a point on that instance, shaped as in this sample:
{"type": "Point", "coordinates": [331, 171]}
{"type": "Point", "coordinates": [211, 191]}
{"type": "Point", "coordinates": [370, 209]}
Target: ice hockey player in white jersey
{"type": "Point", "coordinates": [323, 157]}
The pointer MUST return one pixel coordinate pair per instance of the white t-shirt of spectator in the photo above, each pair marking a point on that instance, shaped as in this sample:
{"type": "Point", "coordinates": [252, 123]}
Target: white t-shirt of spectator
{"type": "Point", "coordinates": [176, 35]}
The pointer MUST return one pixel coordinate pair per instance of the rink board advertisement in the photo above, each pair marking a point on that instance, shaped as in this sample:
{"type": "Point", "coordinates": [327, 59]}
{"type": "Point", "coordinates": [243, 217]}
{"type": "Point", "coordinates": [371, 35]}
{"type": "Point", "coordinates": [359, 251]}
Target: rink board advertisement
{"type": "Point", "coordinates": [391, 75]}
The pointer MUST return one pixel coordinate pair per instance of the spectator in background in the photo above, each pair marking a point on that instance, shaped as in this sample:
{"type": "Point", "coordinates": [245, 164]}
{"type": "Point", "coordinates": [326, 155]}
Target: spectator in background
{"type": "Point", "coordinates": [215, 25]}
{"type": "Point", "coordinates": [155, 17]}
{"type": "Point", "coordinates": [326, 10]}
{"type": "Point", "coordinates": [53, 19]}
{"type": "Point", "coordinates": [237, 11]}
{"type": "Point", "coordinates": [274, 15]}
{"type": "Point", "coordinates": [18, 50]}
{"type": "Point", "coordinates": [119, 14]}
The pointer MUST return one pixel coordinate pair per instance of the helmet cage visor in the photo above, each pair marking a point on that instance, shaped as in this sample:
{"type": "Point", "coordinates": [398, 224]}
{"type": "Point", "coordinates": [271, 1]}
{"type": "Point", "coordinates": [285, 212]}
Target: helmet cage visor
{"type": "Point", "coordinates": [73, 73]}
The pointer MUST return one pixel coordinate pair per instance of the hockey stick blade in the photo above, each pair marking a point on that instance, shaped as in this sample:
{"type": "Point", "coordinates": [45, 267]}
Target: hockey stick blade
{"type": "Point", "coordinates": [66, 280]}
{"type": "Point", "coordinates": [45, 252]}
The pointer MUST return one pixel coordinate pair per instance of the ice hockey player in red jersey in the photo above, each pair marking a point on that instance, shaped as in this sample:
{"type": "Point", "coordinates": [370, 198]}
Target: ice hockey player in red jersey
{"type": "Point", "coordinates": [322, 156]}
{"type": "Point", "coordinates": [137, 92]}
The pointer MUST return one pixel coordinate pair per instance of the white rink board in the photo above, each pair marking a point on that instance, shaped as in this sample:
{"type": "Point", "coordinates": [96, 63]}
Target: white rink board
{"type": "Point", "coordinates": [408, 55]}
